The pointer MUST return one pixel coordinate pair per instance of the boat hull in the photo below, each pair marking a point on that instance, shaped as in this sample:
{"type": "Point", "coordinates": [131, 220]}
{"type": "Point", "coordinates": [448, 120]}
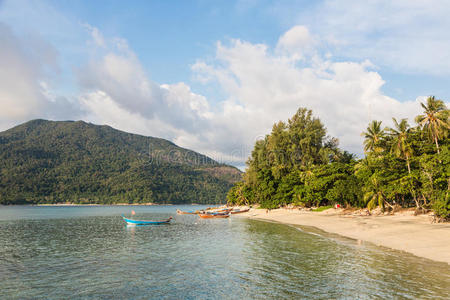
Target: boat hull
{"type": "Point", "coordinates": [239, 211]}
{"type": "Point", "coordinates": [180, 212]}
{"type": "Point", "coordinates": [211, 216]}
{"type": "Point", "coordinates": [142, 222]}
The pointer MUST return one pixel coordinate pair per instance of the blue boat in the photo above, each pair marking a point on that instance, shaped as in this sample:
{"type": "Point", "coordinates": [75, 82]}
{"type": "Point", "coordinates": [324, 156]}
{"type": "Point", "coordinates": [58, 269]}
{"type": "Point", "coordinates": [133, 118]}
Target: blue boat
{"type": "Point", "coordinates": [143, 222]}
{"type": "Point", "coordinates": [180, 212]}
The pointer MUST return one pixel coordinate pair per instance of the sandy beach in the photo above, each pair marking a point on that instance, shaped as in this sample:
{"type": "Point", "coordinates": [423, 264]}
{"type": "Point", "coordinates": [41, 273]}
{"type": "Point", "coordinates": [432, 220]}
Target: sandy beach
{"type": "Point", "coordinates": [403, 231]}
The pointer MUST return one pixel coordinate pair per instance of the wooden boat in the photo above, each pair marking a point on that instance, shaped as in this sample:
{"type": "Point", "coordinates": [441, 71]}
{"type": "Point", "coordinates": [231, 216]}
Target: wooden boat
{"type": "Point", "coordinates": [146, 222]}
{"type": "Point", "coordinates": [224, 210]}
{"type": "Point", "coordinates": [180, 212]}
{"type": "Point", "coordinates": [219, 211]}
{"type": "Point", "coordinates": [238, 211]}
{"type": "Point", "coordinates": [213, 215]}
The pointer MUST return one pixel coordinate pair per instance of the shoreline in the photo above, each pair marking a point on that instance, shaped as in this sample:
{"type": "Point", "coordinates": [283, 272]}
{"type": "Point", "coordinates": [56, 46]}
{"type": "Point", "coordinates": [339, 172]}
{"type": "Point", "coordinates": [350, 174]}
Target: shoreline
{"type": "Point", "coordinates": [403, 231]}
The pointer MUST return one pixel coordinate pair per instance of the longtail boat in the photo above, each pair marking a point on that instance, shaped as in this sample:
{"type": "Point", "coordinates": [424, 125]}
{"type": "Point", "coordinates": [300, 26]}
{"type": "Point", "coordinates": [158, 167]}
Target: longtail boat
{"type": "Point", "coordinates": [238, 211]}
{"type": "Point", "coordinates": [212, 215]}
{"type": "Point", "coordinates": [220, 211]}
{"type": "Point", "coordinates": [180, 212]}
{"type": "Point", "coordinates": [146, 222]}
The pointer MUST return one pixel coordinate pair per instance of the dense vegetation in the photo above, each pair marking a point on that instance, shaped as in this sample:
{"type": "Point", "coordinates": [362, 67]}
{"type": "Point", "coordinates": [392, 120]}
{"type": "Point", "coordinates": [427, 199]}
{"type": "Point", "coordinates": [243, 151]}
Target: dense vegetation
{"type": "Point", "coordinates": [51, 162]}
{"type": "Point", "coordinates": [404, 166]}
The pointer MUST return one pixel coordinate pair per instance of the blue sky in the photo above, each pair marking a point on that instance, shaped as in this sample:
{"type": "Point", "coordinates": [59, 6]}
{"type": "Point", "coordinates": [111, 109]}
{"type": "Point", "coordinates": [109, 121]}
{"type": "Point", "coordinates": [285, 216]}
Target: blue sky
{"type": "Point", "coordinates": [214, 75]}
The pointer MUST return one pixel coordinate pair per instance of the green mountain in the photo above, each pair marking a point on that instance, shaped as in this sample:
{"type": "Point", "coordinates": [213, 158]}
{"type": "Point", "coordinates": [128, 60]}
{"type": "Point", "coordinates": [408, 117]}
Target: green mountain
{"type": "Point", "coordinates": [51, 162]}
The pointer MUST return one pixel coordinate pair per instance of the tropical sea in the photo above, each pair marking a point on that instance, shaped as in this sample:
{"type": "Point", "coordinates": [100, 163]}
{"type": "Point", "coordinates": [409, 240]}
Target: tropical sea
{"type": "Point", "coordinates": [87, 252]}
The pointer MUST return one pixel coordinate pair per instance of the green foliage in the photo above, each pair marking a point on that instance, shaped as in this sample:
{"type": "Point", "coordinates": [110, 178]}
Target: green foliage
{"type": "Point", "coordinates": [374, 195]}
{"type": "Point", "coordinates": [239, 194]}
{"type": "Point", "coordinates": [434, 122]}
{"type": "Point", "coordinates": [51, 162]}
{"type": "Point", "coordinates": [373, 137]}
{"type": "Point", "coordinates": [298, 164]}
{"type": "Point", "coordinates": [441, 206]}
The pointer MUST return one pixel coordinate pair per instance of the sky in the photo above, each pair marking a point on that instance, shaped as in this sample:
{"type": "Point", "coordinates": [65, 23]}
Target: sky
{"type": "Point", "coordinates": [214, 76]}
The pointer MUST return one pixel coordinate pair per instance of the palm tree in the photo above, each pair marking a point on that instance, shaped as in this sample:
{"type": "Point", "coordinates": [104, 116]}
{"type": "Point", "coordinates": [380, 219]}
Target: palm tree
{"type": "Point", "coordinates": [373, 137]}
{"type": "Point", "coordinates": [374, 196]}
{"type": "Point", "coordinates": [435, 119]}
{"type": "Point", "coordinates": [400, 146]}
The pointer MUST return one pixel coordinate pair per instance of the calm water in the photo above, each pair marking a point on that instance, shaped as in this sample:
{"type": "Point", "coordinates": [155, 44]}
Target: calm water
{"type": "Point", "coordinates": [88, 253]}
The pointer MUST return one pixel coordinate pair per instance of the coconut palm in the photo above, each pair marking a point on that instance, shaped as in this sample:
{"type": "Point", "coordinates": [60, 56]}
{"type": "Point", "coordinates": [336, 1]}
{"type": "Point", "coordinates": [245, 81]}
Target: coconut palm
{"type": "Point", "coordinates": [374, 196]}
{"type": "Point", "coordinates": [373, 137]}
{"type": "Point", "coordinates": [400, 146]}
{"type": "Point", "coordinates": [434, 120]}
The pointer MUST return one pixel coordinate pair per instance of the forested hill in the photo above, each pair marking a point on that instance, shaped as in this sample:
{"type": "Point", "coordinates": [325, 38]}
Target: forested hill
{"type": "Point", "coordinates": [50, 162]}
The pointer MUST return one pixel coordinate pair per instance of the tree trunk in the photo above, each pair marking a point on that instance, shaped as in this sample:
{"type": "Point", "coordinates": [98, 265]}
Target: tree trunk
{"type": "Point", "coordinates": [412, 189]}
{"type": "Point", "coordinates": [425, 203]}
{"type": "Point", "coordinates": [430, 178]}
{"type": "Point", "coordinates": [448, 187]}
{"type": "Point", "coordinates": [437, 145]}
{"type": "Point", "coordinates": [407, 164]}
{"type": "Point", "coordinates": [388, 204]}
{"type": "Point", "coordinates": [415, 200]}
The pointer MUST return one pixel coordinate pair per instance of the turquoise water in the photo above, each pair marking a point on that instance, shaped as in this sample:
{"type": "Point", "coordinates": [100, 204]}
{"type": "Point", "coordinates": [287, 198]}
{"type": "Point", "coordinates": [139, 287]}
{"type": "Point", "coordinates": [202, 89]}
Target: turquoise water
{"type": "Point", "coordinates": [89, 253]}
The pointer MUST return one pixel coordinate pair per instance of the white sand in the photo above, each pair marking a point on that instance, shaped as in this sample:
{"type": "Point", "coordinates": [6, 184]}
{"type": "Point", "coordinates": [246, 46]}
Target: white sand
{"type": "Point", "coordinates": [413, 234]}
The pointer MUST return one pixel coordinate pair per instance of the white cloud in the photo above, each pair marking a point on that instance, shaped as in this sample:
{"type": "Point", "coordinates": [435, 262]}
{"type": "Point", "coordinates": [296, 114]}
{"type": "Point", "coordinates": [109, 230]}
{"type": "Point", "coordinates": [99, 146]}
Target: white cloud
{"type": "Point", "coordinates": [117, 91]}
{"type": "Point", "coordinates": [115, 80]}
{"type": "Point", "coordinates": [19, 91]}
{"type": "Point", "coordinates": [264, 88]}
{"type": "Point", "coordinates": [405, 36]}
{"type": "Point", "coordinates": [296, 42]}
{"type": "Point", "coordinates": [102, 109]}
{"type": "Point", "coordinates": [97, 36]}
{"type": "Point", "coordinates": [24, 90]}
